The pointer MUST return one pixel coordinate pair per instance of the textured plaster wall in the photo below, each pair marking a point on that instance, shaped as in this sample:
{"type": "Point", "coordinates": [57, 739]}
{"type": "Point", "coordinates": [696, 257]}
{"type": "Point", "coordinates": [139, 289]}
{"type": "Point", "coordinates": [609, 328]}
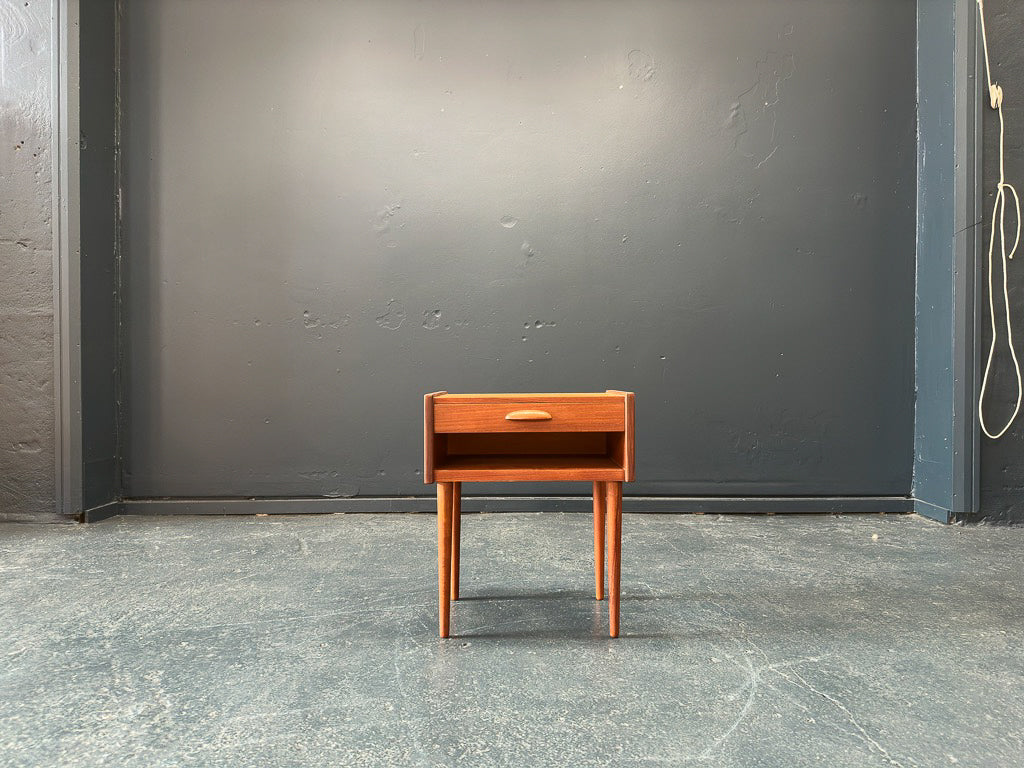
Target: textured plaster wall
{"type": "Point", "coordinates": [27, 443]}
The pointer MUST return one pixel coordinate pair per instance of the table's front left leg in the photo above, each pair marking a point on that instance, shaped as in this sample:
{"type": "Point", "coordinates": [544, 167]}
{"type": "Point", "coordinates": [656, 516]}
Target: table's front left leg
{"type": "Point", "coordinates": [444, 553]}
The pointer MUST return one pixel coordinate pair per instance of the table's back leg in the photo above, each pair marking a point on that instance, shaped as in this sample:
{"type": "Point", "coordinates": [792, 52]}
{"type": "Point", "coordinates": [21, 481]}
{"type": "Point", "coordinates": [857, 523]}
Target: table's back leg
{"type": "Point", "coordinates": [614, 515]}
{"type": "Point", "coordinates": [456, 537]}
{"type": "Point", "coordinates": [599, 513]}
{"type": "Point", "coordinates": [444, 552]}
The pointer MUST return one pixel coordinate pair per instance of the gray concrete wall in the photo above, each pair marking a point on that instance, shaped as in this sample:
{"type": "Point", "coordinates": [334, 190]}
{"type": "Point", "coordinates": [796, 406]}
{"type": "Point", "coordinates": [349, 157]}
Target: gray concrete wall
{"type": "Point", "coordinates": [1002, 461]}
{"type": "Point", "coordinates": [27, 442]}
{"type": "Point", "coordinates": [333, 208]}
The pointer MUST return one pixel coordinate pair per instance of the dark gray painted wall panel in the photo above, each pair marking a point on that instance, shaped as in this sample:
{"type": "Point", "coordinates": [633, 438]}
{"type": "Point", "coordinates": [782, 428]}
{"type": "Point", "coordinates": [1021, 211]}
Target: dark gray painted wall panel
{"type": "Point", "coordinates": [97, 69]}
{"type": "Point", "coordinates": [1002, 471]}
{"type": "Point", "coordinates": [333, 208]}
{"type": "Point", "coordinates": [933, 460]}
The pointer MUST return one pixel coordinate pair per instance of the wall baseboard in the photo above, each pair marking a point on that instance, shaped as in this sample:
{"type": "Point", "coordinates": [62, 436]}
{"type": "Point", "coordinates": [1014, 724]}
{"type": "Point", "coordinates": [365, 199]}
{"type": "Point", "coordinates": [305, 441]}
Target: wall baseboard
{"type": "Point", "coordinates": [932, 511]}
{"type": "Point", "coordinates": [658, 504]}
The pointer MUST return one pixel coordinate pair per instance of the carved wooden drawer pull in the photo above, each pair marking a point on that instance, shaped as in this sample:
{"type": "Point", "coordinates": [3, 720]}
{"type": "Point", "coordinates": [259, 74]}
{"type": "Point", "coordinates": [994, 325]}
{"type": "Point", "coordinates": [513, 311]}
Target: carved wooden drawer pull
{"type": "Point", "coordinates": [528, 416]}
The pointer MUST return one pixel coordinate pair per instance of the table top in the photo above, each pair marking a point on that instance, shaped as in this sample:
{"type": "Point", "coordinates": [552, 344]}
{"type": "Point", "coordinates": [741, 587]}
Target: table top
{"type": "Point", "coordinates": [503, 397]}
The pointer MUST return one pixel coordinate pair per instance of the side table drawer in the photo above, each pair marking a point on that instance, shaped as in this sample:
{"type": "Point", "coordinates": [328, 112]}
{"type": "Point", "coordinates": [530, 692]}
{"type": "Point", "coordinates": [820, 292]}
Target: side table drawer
{"type": "Point", "coordinates": [597, 416]}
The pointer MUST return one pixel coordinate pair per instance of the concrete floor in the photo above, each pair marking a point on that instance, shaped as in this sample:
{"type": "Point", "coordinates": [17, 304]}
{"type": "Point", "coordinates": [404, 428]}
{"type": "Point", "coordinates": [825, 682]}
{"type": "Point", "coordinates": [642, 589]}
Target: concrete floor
{"type": "Point", "coordinates": [311, 641]}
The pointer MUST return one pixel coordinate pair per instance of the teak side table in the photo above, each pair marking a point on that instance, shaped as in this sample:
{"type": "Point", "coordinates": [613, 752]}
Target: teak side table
{"type": "Point", "coordinates": [529, 438]}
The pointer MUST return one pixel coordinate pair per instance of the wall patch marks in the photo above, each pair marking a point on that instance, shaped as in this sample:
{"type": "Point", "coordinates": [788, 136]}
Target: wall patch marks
{"type": "Point", "coordinates": [641, 66]}
{"type": "Point", "coordinates": [393, 316]}
{"type": "Point", "coordinates": [419, 42]}
{"type": "Point", "coordinates": [432, 319]}
{"type": "Point", "coordinates": [753, 117]}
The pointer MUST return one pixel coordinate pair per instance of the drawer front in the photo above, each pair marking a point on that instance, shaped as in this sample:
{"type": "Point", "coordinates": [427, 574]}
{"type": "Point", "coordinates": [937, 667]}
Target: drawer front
{"type": "Point", "coordinates": [598, 416]}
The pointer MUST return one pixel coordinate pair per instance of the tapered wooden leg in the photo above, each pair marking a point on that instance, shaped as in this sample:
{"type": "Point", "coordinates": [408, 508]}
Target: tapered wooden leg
{"type": "Point", "coordinates": [444, 552]}
{"type": "Point", "coordinates": [599, 506]}
{"type": "Point", "coordinates": [614, 515]}
{"type": "Point", "coordinates": [456, 536]}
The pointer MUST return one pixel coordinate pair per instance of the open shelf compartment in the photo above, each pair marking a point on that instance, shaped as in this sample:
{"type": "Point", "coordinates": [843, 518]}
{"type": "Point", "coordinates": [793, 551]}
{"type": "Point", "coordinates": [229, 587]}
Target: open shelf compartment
{"type": "Point", "coordinates": [510, 457]}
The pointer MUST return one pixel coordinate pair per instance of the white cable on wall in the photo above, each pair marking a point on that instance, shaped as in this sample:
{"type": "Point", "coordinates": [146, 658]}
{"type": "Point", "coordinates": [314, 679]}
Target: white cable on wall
{"type": "Point", "coordinates": [995, 94]}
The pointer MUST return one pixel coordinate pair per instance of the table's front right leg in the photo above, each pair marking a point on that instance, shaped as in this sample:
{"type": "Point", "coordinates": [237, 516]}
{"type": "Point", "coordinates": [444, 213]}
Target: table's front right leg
{"type": "Point", "coordinates": [614, 517]}
{"type": "Point", "coordinates": [456, 505]}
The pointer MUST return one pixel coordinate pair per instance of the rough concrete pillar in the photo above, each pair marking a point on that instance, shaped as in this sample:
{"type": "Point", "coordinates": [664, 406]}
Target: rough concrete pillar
{"type": "Point", "coordinates": [27, 443]}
